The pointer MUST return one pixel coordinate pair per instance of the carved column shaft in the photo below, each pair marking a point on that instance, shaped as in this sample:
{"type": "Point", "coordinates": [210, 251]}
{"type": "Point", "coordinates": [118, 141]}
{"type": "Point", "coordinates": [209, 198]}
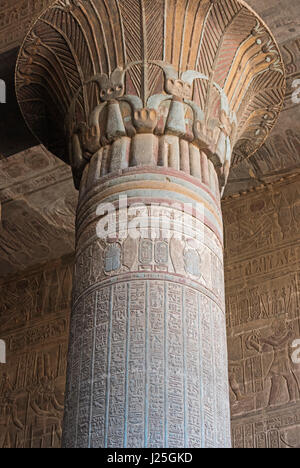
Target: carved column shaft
{"type": "Point", "coordinates": [148, 359]}
{"type": "Point", "coordinates": [152, 100]}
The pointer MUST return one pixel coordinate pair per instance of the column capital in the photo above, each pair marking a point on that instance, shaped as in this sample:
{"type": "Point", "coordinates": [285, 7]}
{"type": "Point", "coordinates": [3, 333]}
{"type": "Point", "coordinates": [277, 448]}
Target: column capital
{"type": "Point", "coordinates": [139, 80]}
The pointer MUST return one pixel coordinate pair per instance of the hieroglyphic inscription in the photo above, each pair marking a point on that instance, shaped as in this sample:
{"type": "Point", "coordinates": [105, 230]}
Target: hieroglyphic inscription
{"type": "Point", "coordinates": [273, 429]}
{"type": "Point", "coordinates": [151, 379]}
{"type": "Point", "coordinates": [15, 18]}
{"type": "Point", "coordinates": [137, 404]}
{"type": "Point", "coordinates": [263, 314]}
{"type": "Point", "coordinates": [157, 369]}
{"type": "Point", "coordinates": [34, 322]}
{"type": "Point", "coordinates": [176, 368]}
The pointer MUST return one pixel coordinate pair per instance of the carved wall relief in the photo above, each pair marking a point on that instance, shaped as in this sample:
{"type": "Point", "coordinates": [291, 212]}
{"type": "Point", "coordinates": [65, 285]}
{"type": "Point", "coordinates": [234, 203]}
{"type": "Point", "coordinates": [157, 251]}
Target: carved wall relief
{"type": "Point", "coordinates": [263, 315]}
{"type": "Point", "coordinates": [34, 323]}
{"type": "Point", "coordinates": [15, 18]}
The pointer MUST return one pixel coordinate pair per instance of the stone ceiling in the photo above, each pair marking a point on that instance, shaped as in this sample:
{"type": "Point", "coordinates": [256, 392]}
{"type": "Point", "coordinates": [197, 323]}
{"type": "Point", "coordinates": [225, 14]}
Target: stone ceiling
{"type": "Point", "coordinates": [38, 202]}
{"type": "Point", "coordinates": [36, 189]}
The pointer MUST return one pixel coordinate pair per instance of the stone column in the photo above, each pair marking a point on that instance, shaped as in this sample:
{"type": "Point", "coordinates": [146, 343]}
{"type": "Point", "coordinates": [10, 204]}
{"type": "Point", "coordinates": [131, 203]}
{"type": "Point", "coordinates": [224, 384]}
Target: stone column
{"type": "Point", "coordinates": [150, 102]}
{"type": "Point", "coordinates": [148, 357]}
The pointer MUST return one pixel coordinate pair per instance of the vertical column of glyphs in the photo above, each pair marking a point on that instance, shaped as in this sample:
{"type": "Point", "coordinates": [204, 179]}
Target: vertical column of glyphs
{"type": "Point", "coordinates": [116, 370]}
{"type": "Point", "coordinates": [135, 431]}
{"type": "Point", "coordinates": [222, 410]}
{"type": "Point", "coordinates": [100, 364]}
{"type": "Point", "coordinates": [193, 367]}
{"type": "Point", "coordinates": [176, 368]}
{"type": "Point", "coordinates": [156, 364]}
{"type": "Point", "coordinates": [207, 373]}
{"type": "Point", "coordinates": [86, 371]}
{"type": "Point", "coordinates": [73, 378]}
{"type": "Point", "coordinates": [143, 372]}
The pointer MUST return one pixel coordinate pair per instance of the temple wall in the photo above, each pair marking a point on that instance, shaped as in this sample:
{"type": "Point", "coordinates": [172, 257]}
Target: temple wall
{"type": "Point", "coordinates": [15, 17]}
{"type": "Point", "coordinates": [34, 323]}
{"type": "Point", "coordinates": [262, 232]}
